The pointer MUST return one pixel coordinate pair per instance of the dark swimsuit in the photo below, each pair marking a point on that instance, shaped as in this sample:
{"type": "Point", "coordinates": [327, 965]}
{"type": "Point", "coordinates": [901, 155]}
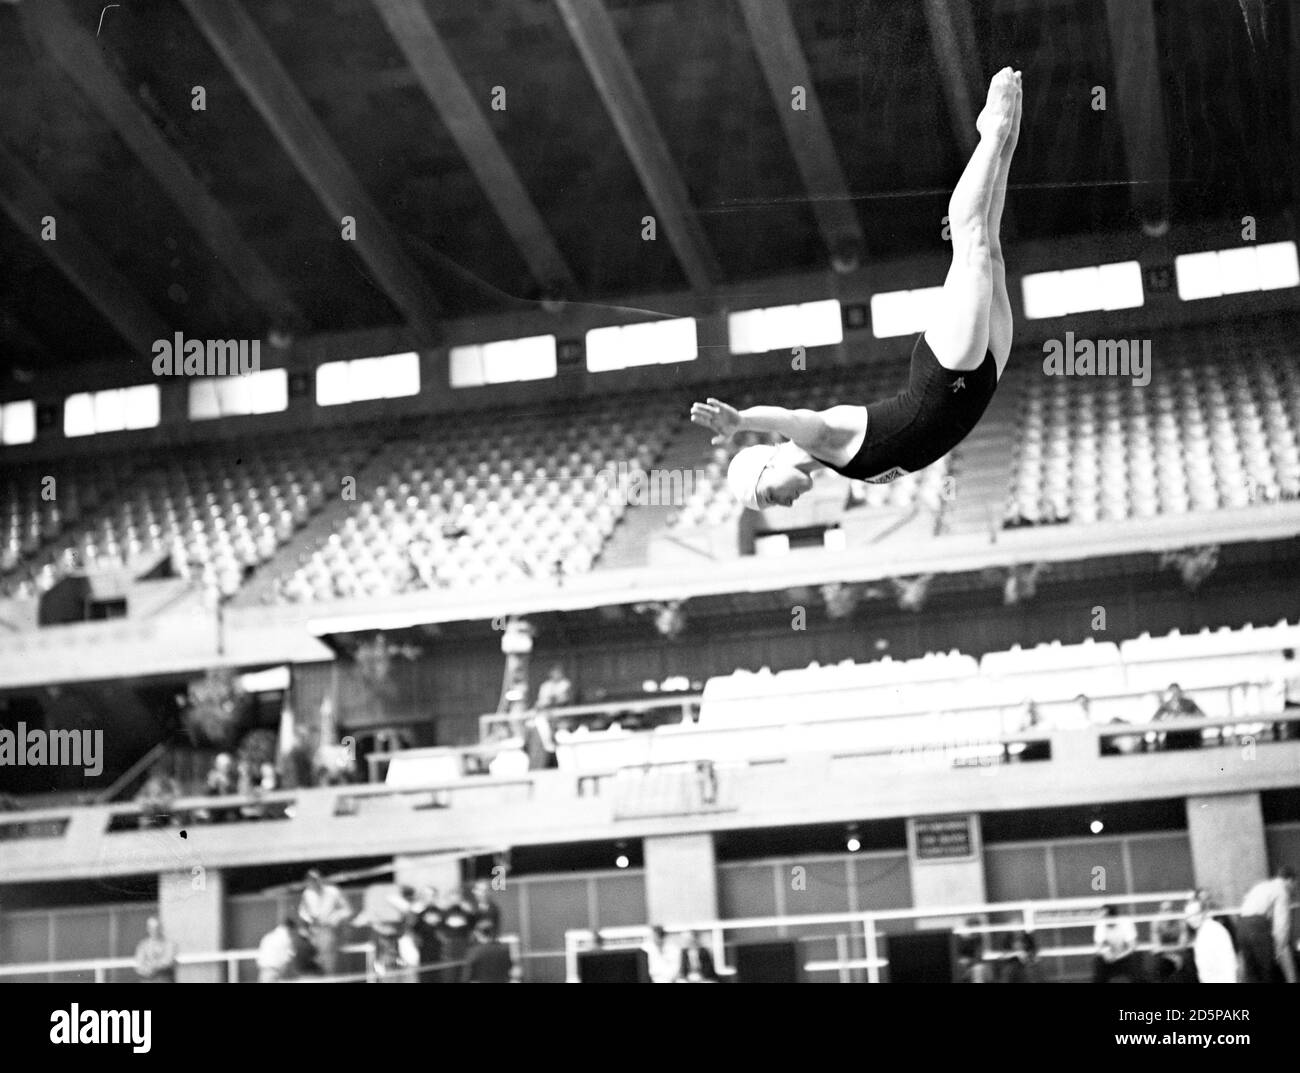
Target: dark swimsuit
{"type": "Point", "coordinates": [924, 421]}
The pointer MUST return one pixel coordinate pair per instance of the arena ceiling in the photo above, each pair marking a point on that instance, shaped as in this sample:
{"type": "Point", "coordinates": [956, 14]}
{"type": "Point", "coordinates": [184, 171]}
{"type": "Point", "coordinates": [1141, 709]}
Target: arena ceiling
{"type": "Point", "coordinates": [496, 151]}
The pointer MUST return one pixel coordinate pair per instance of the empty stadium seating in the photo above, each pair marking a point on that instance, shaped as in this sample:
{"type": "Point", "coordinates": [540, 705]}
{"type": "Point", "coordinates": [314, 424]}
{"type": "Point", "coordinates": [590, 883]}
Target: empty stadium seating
{"type": "Point", "coordinates": [481, 499]}
{"type": "Point", "coordinates": [1211, 430]}
{"type": "Point", "coordinates": [491, 506]}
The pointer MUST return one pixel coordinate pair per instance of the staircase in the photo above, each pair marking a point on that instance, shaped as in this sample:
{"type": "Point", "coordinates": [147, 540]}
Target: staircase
{"type": "Point", "coordinates": [686, 452]}
{"type": "Point", "coordinates": [374, 471]}
{"type": "Point", "coordinates": [981, 467]}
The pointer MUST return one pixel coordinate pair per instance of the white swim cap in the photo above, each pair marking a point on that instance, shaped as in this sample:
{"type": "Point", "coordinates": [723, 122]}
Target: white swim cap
{"type": "Point", "coordinates": [745, 470]}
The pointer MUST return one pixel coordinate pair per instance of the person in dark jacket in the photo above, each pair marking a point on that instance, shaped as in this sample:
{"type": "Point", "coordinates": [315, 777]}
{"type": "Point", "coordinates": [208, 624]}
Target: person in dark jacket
{"type": "Point", "coordinates": [488, 960]}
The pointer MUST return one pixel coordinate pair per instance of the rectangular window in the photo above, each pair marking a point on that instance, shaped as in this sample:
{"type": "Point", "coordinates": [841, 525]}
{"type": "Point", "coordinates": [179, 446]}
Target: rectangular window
{"type": "Point", "coordinates": [656, 342]}
{"type": "Point", "coordinates": [266, 392]}
{"type": "Point", "coordinates": [503, 362]}
{"type": "Point", "coordinates": [1239, 270]}
{"type": "Point", "coordinates": [115, 410]}
{"type": "Point", "coordinates": [1082, 290]}
{"type": "Point", "coordinates": [393, 376]}
{"type": "Point", "coordinates": [895, 313]}
{"type": "Point", "coordinates": [756, 331]}
{"type": "Point", "coordinates": [18, 421]}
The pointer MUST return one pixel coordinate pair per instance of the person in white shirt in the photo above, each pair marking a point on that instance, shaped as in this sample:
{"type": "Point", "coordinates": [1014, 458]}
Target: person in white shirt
{"type": "Point", "coordinates": [1116, 940]}
{"type": "Point", "coordinates": [663, 957]}
{"type": "Point", "coordinates": [1264, 930]}
{"type": "Point", "coordinates": [275, 954]}
{"type": "Point", "coordinates": [324, 910]}
{"type": "Point", "coordinates": [1213, 952]}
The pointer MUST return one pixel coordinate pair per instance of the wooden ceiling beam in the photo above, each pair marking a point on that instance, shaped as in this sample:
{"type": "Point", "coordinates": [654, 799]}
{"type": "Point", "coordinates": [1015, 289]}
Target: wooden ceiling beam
{"type": "Point", "coordinates": [250, 60]}
{"type": "Point", "coordinates": [464, 118]}
{"type": "Point", "coordinates": [602, 52]}
{"type": "Point", "coordinates": [785, 66]}
{"type": "Point", "coordinates": [82, 61]}
{"type": "Point", "coordinates": [25, 201]}
{"type": "Point", "coordinates": [1139, 101]}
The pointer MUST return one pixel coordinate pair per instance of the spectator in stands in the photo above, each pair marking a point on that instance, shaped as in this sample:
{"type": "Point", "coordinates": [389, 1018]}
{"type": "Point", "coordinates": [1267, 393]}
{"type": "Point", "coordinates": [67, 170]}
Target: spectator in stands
{"type": "Point", "coordinates": [155, 956]}
{"type": "Point", "coordinates": [486, 911]}
{"type": "Point", "coordinates": [1289, 686]}
{"type": "Point", "coordinates": [972, 967]}
{"type": "Point", "coordinates": [696, 966]}
{"type": "Point", "coordinates": [663, 957]}
{"type": "Point", "coordinates": [297, 762]}
{"type": "Point", "coordinates": [488, 961]}
{"type": "Point", "coordinates": [539, 742]}
{"type": "Point", "coordinates": [1214, 957]}
{"type": "Point", "coordinates": [275, 953]}
{"type": "Point", "coordinates": [1021, 966]}
{"type": "Point", "coordinates": [156, 797]}
{"type": "Point", "coordinates": [1170, 955]}
{"type": "Point", "coordinates": [1116, 940]}
{"type": "Point", "coordinates": [426, 928]}
{"type": "Point", "coordinates": [1174, 705]}
{"type": "Point", "coordinates": [458, 913]}
{"type": "Point", "coordinates": [222, 781]}
{"type": "Point", "coordinates": [324, 910]}
{"type": "Point", "coordinates": [306, 960]}
{"type": "Point", "coordinates": [1264, 930]}
{"type": "Point", "coordinates": [268, 781]}
{"type": "Point", "coordinates": [556, 691]}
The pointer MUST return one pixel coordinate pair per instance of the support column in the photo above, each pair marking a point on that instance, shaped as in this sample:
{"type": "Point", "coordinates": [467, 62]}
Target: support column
{"type": "Point", "coordinates": [192, 910]}
{"type": "Point", "coordinates": [681, 879]}
{"type": "Point", "coordinates": [946, 858]}
{"type": "Point", "coordinates": [1229, 851]}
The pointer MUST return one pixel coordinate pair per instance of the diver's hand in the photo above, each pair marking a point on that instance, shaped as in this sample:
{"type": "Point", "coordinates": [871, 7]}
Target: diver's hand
{"type": "Point", "coordinates": [717, 416]}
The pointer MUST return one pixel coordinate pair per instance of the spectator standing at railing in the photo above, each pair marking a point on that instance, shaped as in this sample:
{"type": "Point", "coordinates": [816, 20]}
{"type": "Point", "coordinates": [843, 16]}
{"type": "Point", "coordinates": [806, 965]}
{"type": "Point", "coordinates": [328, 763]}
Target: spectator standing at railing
{"type": "Point", "coordinates": [155, 955]}
{"type": "Point", "coordinates": [663, 958]}
{"type": "Point", "coordinates": [155, 799]}
{"type": "Point", "coordinates": [222, 781]}
{"type": "Point", "coordinates": [1170, 942]}
{"type": "Point", "coordinates": [556, 691]}
{"type": "Point", "coordinates": [1174, 705]}
{"type": "Point", "coordinates": [324, 910]}
{"type": "Point", "coordinates": [1288, 686]}
{"type": "Point", "coordinates": [488, 961]}
{"type": "Point", "coordinates": [275, 953]}
{"type": "Point", "coordinates": [1214, 955]}
{"type": "Point", "coordinates": [1116, 940]}
{"type": "Point", "coordinates": [486, 911]}
{"type": "Point", "coordinates": [696, 966]}
{"type": "Point", "coordinates": [1021, 966]}
{"type": "Point", "coordinates": [458, 915]}
{"type": "Point", "coordinates": [426, 928]}
{"type": "Point", "coordinates": [539, 742]}
{"type": "Point", "coordinates": [1264, 930]}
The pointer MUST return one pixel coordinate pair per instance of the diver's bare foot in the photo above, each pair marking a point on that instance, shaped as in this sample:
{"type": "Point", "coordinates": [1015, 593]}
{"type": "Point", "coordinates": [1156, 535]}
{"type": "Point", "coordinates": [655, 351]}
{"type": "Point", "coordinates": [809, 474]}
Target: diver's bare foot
{"type": "Point", "coordinates": [1013, 135]}
{"type": "Point", "coordinates": [999, 111]}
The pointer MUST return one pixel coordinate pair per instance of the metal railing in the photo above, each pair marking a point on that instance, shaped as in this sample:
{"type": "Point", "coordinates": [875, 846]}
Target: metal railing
{"type": "Point", "coordinates": [99, 968]}
{"type": "Point", "coordinates": [865, 933]}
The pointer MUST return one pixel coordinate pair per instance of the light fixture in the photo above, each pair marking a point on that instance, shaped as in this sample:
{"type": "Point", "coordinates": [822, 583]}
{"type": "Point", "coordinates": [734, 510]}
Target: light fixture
{"type": "Point", "coordinates": [1096, 827]}
{"type": "Point", "coordinates": [621, 861]}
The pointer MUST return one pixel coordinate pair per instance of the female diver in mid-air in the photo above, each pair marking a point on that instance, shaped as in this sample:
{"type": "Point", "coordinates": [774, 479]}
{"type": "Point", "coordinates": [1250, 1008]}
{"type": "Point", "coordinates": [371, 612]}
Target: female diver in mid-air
{"type": "Point", "coordinates": [955, 366]}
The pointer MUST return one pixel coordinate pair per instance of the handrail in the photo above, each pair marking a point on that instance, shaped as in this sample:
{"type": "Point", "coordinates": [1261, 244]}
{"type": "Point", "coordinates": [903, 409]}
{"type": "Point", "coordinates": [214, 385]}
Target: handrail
{"type": "Point", "coordinates": [576, 939]}
{"type": "Point", "coordinates": [606, 707]}
{"type": "Point", "coordinates": [101, 966]}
